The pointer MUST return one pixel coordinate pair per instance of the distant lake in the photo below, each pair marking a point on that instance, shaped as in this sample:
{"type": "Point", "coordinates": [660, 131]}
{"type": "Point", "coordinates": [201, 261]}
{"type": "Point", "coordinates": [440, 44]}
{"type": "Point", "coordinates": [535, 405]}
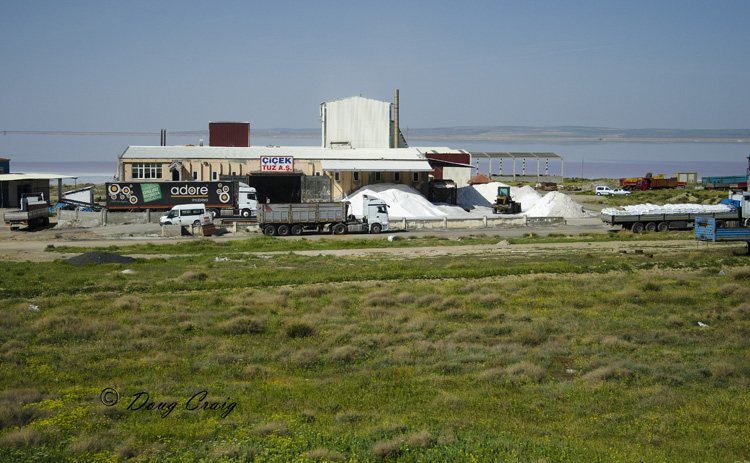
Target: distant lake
{"type": "Point", "coordinates": [581, 159]}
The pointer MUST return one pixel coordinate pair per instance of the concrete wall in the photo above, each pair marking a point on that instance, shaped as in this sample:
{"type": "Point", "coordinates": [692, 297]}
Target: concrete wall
{"type": "Point", "coordinates": [479, 223]}
{"type": "Point", "coordinates": [83, 219]}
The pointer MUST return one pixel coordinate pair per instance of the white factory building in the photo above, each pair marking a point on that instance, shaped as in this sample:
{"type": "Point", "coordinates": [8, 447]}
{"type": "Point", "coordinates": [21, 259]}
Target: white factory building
{"type": "Point", "coordinates": [357, 149]}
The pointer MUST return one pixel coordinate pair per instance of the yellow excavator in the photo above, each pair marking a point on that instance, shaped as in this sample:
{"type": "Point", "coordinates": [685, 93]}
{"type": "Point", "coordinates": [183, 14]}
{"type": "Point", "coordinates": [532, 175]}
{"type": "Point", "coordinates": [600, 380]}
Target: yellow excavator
{"type": "Point", "coordinates": [504, 203]}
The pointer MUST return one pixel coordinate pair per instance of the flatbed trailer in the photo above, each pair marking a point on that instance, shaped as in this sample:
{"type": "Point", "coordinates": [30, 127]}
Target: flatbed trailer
{"type": "Point", "coordinates": [663, 222]}
{"type": "Point", "coordinates": [34, 211]}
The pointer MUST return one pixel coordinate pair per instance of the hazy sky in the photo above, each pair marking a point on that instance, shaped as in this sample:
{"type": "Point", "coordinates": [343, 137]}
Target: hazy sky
{"type": "Point", "coordinates": [152, 65]}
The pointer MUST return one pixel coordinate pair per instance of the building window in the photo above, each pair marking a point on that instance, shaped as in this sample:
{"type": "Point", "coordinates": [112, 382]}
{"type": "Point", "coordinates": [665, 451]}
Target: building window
{"type": "Point", "coordinates": [415, 177]}
{"type": "Point", "coordinates": [234, 173]}
{"type": "Point", "coordinates": [337, 176]}
{"type": "Point", "coordinates": [146, 170]}
{"type": "Point", "coordinates": [355, 176]}
{"type": "Point", "coordinates": [378, 177]}
{"type": "Point", "coordinates": [215, 175]}
{"type": "Point", "coordinates": [195, 175]}
{"type": "Point", "coordinates": [397, 177]}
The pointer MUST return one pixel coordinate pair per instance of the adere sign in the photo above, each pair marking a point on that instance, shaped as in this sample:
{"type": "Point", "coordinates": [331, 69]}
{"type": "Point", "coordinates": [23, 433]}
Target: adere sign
{"type": "Point", "coordinates": [277, 163]}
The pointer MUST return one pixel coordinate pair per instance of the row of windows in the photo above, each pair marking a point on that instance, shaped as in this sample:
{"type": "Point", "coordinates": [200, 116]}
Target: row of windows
{"type": "Point", "coordinates": [153, 170]}
{"type": "Point", "coordinates": [146, 170]}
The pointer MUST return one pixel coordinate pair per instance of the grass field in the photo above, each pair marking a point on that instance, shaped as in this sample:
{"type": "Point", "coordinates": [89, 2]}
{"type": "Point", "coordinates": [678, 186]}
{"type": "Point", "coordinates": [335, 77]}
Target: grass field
{"type": "Point", "coordinates": [528, 357]}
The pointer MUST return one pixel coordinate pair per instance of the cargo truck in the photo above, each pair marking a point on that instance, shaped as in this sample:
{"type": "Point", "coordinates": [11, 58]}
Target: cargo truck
{"type": "Point", "coordinates": [727, 181]}
{"type": "Point", "coordinates": [232, 198]}
{"type": "Point", "coordinates": [663, 219]}
{"type": "Point", "coordinates": [710, 230]}
{"type": "Point", "coordinates": [34, 211]}
{"type": "Point", "coordinates": [285, 219]}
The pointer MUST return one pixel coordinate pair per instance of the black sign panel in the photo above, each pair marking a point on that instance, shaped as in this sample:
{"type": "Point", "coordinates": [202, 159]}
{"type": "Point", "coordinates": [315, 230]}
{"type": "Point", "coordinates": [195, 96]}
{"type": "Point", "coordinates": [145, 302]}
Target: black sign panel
{"type": "Point", "coordinates": [161, 195]}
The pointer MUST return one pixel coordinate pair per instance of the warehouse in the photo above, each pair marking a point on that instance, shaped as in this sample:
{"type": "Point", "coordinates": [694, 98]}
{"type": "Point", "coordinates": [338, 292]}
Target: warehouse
{"type": "Point", "coordinates": [282, 174]}
{"type": "Point", "coordinates": [361, 144]}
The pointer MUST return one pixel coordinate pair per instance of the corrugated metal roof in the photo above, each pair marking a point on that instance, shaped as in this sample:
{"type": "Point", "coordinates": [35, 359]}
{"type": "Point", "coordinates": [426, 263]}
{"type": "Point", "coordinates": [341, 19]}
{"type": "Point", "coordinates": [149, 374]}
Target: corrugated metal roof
{"type": "Point", "coordinates": [255, 152]}
{"type": "Point", "coordinates": [376, 166]}
{"type": "Point", "coordinates": [32, 176]}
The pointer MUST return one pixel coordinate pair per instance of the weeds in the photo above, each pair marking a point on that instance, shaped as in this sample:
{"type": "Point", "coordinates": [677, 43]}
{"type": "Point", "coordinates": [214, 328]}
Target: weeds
{"type": "Point", "coordinates": [547, 357]}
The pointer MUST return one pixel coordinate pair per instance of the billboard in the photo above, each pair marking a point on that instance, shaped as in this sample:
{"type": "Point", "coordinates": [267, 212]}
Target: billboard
{"type": "Point", "coordinates": [277, 164]}
{"type": "Point", "coordinates": [155, 195]}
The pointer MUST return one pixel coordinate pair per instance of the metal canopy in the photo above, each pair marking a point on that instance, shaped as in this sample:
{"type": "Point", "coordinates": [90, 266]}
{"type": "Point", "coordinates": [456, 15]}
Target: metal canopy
{"type": "Point", "coordinates": [523, 157]}
{"type": "Point", "coordinates": [492, 155]}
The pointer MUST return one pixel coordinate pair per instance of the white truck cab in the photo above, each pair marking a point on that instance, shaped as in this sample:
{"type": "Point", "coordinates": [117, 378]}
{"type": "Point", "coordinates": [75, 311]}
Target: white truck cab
{"type": "Point", "coordinates": [187, 214]}
{"type": "Point", "coordinates": [375, 212]}
{"type": "Point", "coordinates": [247, 200]}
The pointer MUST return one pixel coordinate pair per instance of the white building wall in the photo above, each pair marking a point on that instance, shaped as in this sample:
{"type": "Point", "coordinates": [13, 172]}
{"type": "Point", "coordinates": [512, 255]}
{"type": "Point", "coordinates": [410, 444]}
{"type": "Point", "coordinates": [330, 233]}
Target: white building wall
{"type": "Point", "coordinates": [362, 122]}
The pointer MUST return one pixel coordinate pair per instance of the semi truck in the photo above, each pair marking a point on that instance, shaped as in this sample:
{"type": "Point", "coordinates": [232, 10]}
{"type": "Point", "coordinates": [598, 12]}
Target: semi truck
{"type": "Point", "coordinates": [34, 211]}
{"type": "Point", "coordinates": [708, 229]}
{"type": "Point", "coordinates": [233, 198]}
{"type": "Point", "coordinates": [726, 181]}
{"type": "Point", "coordinates": [662, 218]}
{"type": "Point", "coordinates": [648, 183]}
{"type": "Point", "coordinates": [285, 219]}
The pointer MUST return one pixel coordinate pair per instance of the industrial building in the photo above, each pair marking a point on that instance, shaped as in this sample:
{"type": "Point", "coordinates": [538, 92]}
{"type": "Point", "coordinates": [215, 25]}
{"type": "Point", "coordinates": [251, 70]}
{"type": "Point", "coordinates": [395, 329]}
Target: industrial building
{"type": "Point", "coordinates": [361, 144]}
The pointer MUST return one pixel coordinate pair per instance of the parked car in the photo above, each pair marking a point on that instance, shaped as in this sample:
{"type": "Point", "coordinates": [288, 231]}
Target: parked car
{"type": "Point", "coordinates": [620, 191]}
{"type": "Point", "coordinates": [604, 190]}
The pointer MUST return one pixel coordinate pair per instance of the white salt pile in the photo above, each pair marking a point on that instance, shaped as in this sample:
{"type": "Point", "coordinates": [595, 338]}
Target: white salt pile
{"type": "Point", "coordinates": [556, 204]}
{"type": "Point", "coordinates": [472, 200]}
{"type": "Point", "coordinates": [403, 201]}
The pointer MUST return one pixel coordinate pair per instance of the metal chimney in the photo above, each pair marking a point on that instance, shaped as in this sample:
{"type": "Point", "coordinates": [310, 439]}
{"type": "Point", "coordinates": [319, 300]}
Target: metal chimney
{"type": "Point", "coordinates": [395, 120]}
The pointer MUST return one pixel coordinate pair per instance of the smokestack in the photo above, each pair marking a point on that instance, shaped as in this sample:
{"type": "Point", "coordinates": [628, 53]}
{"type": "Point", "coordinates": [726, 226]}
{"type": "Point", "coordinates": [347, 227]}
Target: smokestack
{"type": "Point", "coordinates": [395, 119]}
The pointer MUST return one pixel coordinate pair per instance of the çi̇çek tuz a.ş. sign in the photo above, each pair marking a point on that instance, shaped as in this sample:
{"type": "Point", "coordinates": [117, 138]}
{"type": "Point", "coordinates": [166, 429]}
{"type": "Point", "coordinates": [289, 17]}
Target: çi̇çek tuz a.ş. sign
{"type": "Point", "coordinates": [277, 163]}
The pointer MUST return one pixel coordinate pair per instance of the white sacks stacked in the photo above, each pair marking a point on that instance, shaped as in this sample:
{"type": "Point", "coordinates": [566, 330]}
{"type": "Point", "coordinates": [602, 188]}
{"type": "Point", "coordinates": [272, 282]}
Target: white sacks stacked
{"type": "Point", "coordinates": [644, 209]}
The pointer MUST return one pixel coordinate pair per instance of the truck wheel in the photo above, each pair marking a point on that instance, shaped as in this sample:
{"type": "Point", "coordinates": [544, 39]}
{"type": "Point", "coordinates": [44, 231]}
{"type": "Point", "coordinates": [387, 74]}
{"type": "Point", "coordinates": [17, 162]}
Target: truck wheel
{"type": "Point", "coordinates": [376, 228]}
{"type": "Point", "coordinates": [245, 213]}
{"type": "Point", "coordinates": [283, 230]}
{"type": "Point", "coordinates": [720, 224]}
{"type": "Point", "coordinates": [663, 226]}
{"type": "Point", "coordinates": [197, 223]}
{"type": "Point", "coordinates": [339, 229]}
{"type": "Point", "coordinates": [269, 230]}
{"type": "Point", "coordinates": [637, 227]}
{"type": "Point", "coordinates": [651, 226]}
{"type": "Point", "coordinates": [296, 229]}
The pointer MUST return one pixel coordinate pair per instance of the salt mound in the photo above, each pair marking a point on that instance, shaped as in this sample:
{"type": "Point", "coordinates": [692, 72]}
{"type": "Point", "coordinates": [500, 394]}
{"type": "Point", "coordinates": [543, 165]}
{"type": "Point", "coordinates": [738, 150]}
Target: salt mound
{"type": "Point", "coordinates": [526, 195]}
{"type": "Point", "coordinates": [403, 201]}
{"type": "Point", "coordinates": [556, 204]}
{"type": "Point", "coordinates": [482, 195]}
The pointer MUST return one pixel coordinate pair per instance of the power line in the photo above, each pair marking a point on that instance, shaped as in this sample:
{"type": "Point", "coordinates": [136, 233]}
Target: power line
{"type": "Point", "coordinates": [116, 134]}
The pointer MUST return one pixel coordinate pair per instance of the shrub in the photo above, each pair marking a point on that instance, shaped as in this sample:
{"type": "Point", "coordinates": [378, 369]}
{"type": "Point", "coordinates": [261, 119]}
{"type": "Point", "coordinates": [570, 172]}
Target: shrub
{"type": "Point", "coordinates": [324, 455]}
{"type": "Point", "coordinates": [243, 325]}
{"type": "Point", "coordinates": [306, 358]}
{"type": "Point", "coordinates": [344, 354]}
{"type": "Point", "coordinates": [299, 329]}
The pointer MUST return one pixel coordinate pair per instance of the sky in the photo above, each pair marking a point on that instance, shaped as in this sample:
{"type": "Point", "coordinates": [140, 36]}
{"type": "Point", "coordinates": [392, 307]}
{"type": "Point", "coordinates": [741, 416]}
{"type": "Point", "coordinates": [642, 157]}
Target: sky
{"type": "Point", "coordinates": [143, 66]}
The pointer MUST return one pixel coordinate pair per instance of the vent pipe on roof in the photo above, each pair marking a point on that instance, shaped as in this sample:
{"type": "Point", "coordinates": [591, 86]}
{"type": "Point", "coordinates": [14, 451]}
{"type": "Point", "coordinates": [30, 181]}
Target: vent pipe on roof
{"type": "Point", "coordinates": [395, 119]}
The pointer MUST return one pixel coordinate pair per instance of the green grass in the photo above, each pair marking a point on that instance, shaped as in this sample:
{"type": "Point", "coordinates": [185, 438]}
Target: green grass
{"type": "Point", "coordinates": [485, 357]}
{"type": "Point", "coordinates": [258, 244]}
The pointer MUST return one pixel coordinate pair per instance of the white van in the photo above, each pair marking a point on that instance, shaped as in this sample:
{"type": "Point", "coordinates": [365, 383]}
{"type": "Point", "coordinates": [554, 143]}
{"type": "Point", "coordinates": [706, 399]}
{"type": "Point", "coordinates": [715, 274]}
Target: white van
{"type": "Point", "coordinates": [187, 214]}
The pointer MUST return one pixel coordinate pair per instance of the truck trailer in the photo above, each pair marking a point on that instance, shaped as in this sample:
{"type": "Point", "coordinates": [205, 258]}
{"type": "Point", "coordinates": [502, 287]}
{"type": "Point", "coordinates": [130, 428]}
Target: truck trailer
{"type": "Point", "coordinates": [234, 198]}
{"type": "Point", "coordinates": [663, 218]}
{"type": "Point", "coordinates": [285, 219]}
{"type": "Point", "coordinates": [727, 181]}
{"type": "Point", "coordinates": [34, 211]}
